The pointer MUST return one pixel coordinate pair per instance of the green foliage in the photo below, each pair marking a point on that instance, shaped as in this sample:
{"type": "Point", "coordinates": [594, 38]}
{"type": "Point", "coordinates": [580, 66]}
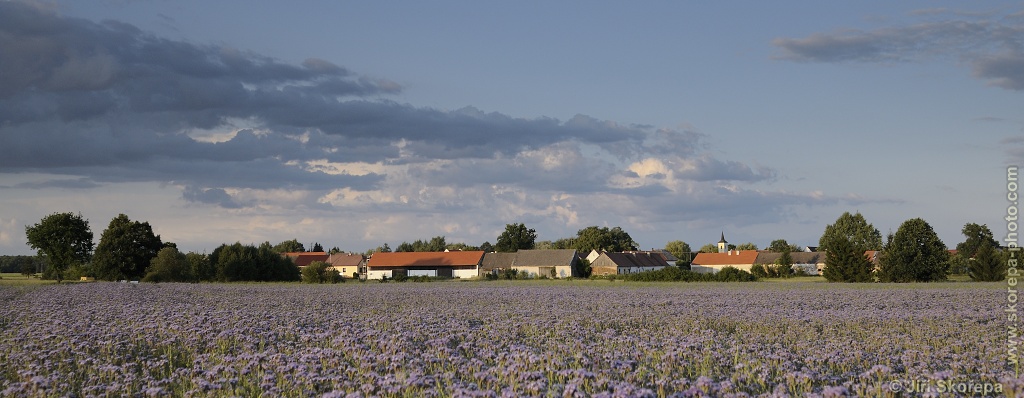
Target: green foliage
{"type": "Point", "coordinates": [681, 250]}
{"type": "Point", "coordinates": [320, 272]}
{"type": "Point", "coordinates": [987, 265]}
{"type": "Point", "coordinates": [125, 250]}
{"type": "Point", "coordinates": [854, 228]}
{"type": "Point", "coordinates": [847, 263]}
{"type": "Point", "coordinates": [516, 237]}
{"type": "Point", "coordinates": [783, 266]}
{"type": "Point", "coordinates": [759, 270]}
{"type": "Point", "coordinates": [64, 239]}
{"type": "Point", "coordinates": [170, 265]}
{"type": "Point", "coordinates": [201, 267]}
{"type": "Point", "coordinates": [914, 254]}
{"type": "Point", "coordinates": [780, 245]}
{"type": "Point", "coordinates": [709, 248]}
{"type": "Point", "coordinates": [317, 247]}
{"type": "Point", "coordinates": [436, 244]}
{"type": "Point", "coordinates": [487, 247]}
{"type": "Point", "coordinates": [977, 236]}
{"type": "Point", "coordinates": [25, 265]}
{"type": "Point", "coordinates": [290, 246]}
{"type": "Point", "coordinates": [460, 247]}
{"type": "Point", "coordinates": [584, 269]}
{"type": "Point", "coordinates": [602, 238]}
{"type": "Point", "coordinates": [248, 263]}
{"type": "Point", "coordinates": [746, 246]}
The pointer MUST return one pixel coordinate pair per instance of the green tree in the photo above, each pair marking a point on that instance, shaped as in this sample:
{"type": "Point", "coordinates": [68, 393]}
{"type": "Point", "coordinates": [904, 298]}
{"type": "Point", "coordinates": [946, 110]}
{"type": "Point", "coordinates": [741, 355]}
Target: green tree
{"type": "Point", "coordinates": [746, 246]}
{"type": "Point", "coordinates": [784, 265]}
{"type": "Point", "coordinates": [603, 238]}
{"type": "Point", "coordinates": [516, 237]}
{"type": "Point", "coordinates": [125, 250]}
{"type": "Point", "coordinates": [63, 239]}
{"type": "Point", "coordinates": [317, 247]}
{"type": "Point", "coordinates": [681, 250]}
{"type": "Point", "coordinates": [847, 263]}
{"type": "Point", "coordinates": [780, 245]}
{"type": "Point", "coordinates": [709, 248]}
{"type": "Point", "coordinates": [486, 247]}
{"type": "Point", "coordinates": [290, 246]}
{"type": "Point", "coordinates": [248, 263]}
{"type": "Point", "coordinates": [170, 265]}
{"type": "Point", "coordinates": [977, 236]}
{"type": "Point", "coordinates": [987, 265]}
{"type": "Point", "coordinates": [202, 268]}
{"type": "Point", "coordinates": [320, 272]}
{"type": "Point", "coordinates": [854, 228]}
{"type": "Point", "coordinates": [914, 254]}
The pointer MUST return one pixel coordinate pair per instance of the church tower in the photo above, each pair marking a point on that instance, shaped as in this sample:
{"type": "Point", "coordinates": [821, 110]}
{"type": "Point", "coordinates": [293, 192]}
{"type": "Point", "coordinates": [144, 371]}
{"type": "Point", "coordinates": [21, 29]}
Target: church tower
{"type": "Point", "coordinates": [722, 244]}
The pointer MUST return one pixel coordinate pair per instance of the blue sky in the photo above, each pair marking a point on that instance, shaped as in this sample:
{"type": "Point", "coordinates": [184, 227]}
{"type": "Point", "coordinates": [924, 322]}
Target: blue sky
{"type": "Point", "coordinates": [355, 124]}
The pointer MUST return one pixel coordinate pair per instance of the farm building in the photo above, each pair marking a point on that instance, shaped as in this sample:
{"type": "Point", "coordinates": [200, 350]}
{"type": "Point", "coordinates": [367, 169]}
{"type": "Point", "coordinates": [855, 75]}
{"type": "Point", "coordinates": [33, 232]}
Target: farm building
{"type": "Point", "coordinates": [810, 262]}
{"type": "Point", "coordinates": [610, 263]}
{"type": "Point", "coordinates": [347, 263]}
{"type": "Point", "coordinates": [303, 259]}
{"type": "Point", "coordinates": [457, 264]}
{"type": "Point", "coordinates": [714, 262]}
{"type": "Point", "coordinates": [548, 263]}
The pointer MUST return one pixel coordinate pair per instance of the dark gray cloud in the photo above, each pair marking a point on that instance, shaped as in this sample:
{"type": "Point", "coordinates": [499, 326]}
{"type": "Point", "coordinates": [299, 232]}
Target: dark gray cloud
{"type": "Point", "coordinates": [992, 45]}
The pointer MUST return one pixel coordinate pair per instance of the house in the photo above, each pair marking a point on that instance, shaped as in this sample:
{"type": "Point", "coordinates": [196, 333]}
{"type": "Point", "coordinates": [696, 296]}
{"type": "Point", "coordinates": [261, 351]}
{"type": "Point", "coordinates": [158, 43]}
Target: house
{"type": "Point", "coordinates": [610, 263]}
{"type": "Point", "coordinates": [714, 262]}
{"type": "Point", "coordinates": [303, 259]}
{"type": "Point", "coordinates": [668, 257]}
{"type": "Point", "coordinates": [457, 264]}
{"type": "Point", "coordinates": [547, 263]}
{"type": "Point", "coordinates": [347, 264]}
{"type": "Point", "coordinates": [812, 263]}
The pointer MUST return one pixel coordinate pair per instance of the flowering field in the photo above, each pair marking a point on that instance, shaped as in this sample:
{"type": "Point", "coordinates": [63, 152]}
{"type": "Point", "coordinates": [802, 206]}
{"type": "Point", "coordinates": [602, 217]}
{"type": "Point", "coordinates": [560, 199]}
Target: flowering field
{"type": "Point", "coordinates": [501, 339]}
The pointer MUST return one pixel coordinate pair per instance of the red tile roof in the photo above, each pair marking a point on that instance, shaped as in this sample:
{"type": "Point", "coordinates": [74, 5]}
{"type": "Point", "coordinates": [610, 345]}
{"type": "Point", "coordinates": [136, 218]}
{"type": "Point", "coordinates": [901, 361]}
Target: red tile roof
{"type": "Point", "coordinates": [413, 259]}
{"type": "Point", "coordinates": [303, 259]}
{"type": "Point", "coordinates": [729, 258]}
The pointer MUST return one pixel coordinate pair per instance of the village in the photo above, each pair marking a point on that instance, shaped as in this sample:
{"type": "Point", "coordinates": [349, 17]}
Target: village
{"type": "Point", "coordinates": [551, 263]}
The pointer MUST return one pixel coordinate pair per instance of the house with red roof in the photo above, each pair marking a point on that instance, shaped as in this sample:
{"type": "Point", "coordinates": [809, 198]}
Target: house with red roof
{"type": "Point", "coordinates": [456, 264]}
{"type": "Point", "coordinates": [714, 262]}
{"type": "Point", "coordinates": [303, 259]}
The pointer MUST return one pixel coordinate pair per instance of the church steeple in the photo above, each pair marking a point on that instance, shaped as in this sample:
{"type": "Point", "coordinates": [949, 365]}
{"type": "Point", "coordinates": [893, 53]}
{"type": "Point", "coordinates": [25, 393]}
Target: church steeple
{"type": "Point", "coordinates": [722, 244]}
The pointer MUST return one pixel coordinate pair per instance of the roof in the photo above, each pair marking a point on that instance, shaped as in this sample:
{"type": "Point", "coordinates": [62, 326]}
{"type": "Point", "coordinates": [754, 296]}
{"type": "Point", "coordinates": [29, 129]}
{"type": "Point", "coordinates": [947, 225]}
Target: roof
{"type": "Point", "coordinates": [723, 238]}
{"type": "Point", "coordinates": [745, 257]}
{"type": "Point", "coordinates": [414, 259]}
{"type": "Point", "coordinates": [630, 259]}
{"type": "Point", "coordinates": [303, 259]}
{"type": "Point", "coordinates": [497, 260]}
{"type": "Point", "coordinates": [544, 258]}
{"type": "Point", "coordinates": [798, 257]}
{"type": "Point", "coordinates": [345, 259]}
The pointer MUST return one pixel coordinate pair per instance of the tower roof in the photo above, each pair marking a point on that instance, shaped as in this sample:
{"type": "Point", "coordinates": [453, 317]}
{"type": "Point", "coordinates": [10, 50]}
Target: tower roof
{"type": "Point", "coordinates": [723, 238]}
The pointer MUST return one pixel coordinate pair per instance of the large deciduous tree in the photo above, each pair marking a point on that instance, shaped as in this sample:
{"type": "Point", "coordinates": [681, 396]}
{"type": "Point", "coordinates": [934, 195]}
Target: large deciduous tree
{"type": "Point", "coordinates": [516, 237]}
{"type": "Point", "coordinates": [602, 238]}
{"type": "Point", "coordinates": [170, 265]}
{"type": "Point", "coordinates": [780, 245]}
{"type": "Point", "coordinates": [914, 254]}
{"type": "Point", "coordinates": [977, 236]}
{"type": "Point", "coordinates": [125, 250]}
{"type": "Point", "coordinates": [290, 246]}
{"type": "Point", "coordinates": [855, 229]}
{"type": "Point", "coordinates": [682, 251]}
{"type": "Point", "coordinates": [64, 239]}
{"type": "Point", "coordinates": [847, 263]}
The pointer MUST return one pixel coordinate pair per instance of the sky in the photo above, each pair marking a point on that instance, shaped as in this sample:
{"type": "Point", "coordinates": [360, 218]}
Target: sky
{"type": "Point", "coordinates": [354, 124]}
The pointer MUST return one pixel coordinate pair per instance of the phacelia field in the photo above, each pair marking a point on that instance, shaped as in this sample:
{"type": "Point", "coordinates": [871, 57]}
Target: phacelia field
{"type": "Point", "coordinates": [487, 339]}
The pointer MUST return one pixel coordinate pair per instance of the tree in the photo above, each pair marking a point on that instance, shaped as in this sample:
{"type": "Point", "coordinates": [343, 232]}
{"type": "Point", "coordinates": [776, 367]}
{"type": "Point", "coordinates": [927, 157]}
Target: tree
{"type": "Point", "coordinates": [746, 246]}
{"type": "Point", "coordinates": [977, 236]}
{"type": "Point", "coordinates": [914, 254]}
{"type": "Point", "coordinates": [602, 238]}
{"type": "Point", "coordinates": [987, 265]}
{"type": "Point", "coordinates": [320, 272]}
{"type": "Point", "coordinates": [855, 229]}
{"type": "Point", "coordinates": [780, 245]}
{"type": "Point", "coordinates": [317, 247]}
{"type": "Point", "coordinates": [202, 268]}
{"type": "Point", "coordinates": [784, 265]}
{"type": "Point", "coordinates": [248, 263]}
{"type": "Point", "coordinates": [709, 248]}
{"type": "Point", "coordinates": [290, 246]}
{"type": "Point", "coordinates": [170, 265]}
{"type": "Point", "coordinates": [125, 250]}
{"type": "Point", "coordinates": [847, 263]}
{"type": "Point", "coordinates": [681, 250]}
{"type": "Point", "coordinates": [64, 239]}
{"type": "Point", "coordinates": [516, 237]}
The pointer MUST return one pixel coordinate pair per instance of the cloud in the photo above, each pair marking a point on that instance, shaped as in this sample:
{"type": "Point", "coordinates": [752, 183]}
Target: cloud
{"type": "Point", "coordinates": [92, 105]}
{"type": "Point", "coordinates": [992, 45]}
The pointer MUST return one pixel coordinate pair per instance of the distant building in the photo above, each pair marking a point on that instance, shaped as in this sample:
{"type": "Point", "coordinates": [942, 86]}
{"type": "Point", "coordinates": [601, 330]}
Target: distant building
{"type": "Point", "coordinates": [458, 264]}
{"type": "Point", "coordinates": [561, 263]}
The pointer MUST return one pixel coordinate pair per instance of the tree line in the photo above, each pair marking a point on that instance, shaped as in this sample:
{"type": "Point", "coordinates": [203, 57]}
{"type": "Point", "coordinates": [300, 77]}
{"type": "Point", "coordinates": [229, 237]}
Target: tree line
{"type": "Point", "coordinates": [128, 250]}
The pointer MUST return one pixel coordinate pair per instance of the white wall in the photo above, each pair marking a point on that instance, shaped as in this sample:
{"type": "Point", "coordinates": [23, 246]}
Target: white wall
{"type": "Point", "coordinates": [378, 274]}
{"type": "Point", "coordinates": [465, 273]}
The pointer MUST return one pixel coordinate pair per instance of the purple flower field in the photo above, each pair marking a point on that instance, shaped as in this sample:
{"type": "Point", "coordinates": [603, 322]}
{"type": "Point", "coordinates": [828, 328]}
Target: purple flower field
{"type": "Point", "coordinates": [554, 338]}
